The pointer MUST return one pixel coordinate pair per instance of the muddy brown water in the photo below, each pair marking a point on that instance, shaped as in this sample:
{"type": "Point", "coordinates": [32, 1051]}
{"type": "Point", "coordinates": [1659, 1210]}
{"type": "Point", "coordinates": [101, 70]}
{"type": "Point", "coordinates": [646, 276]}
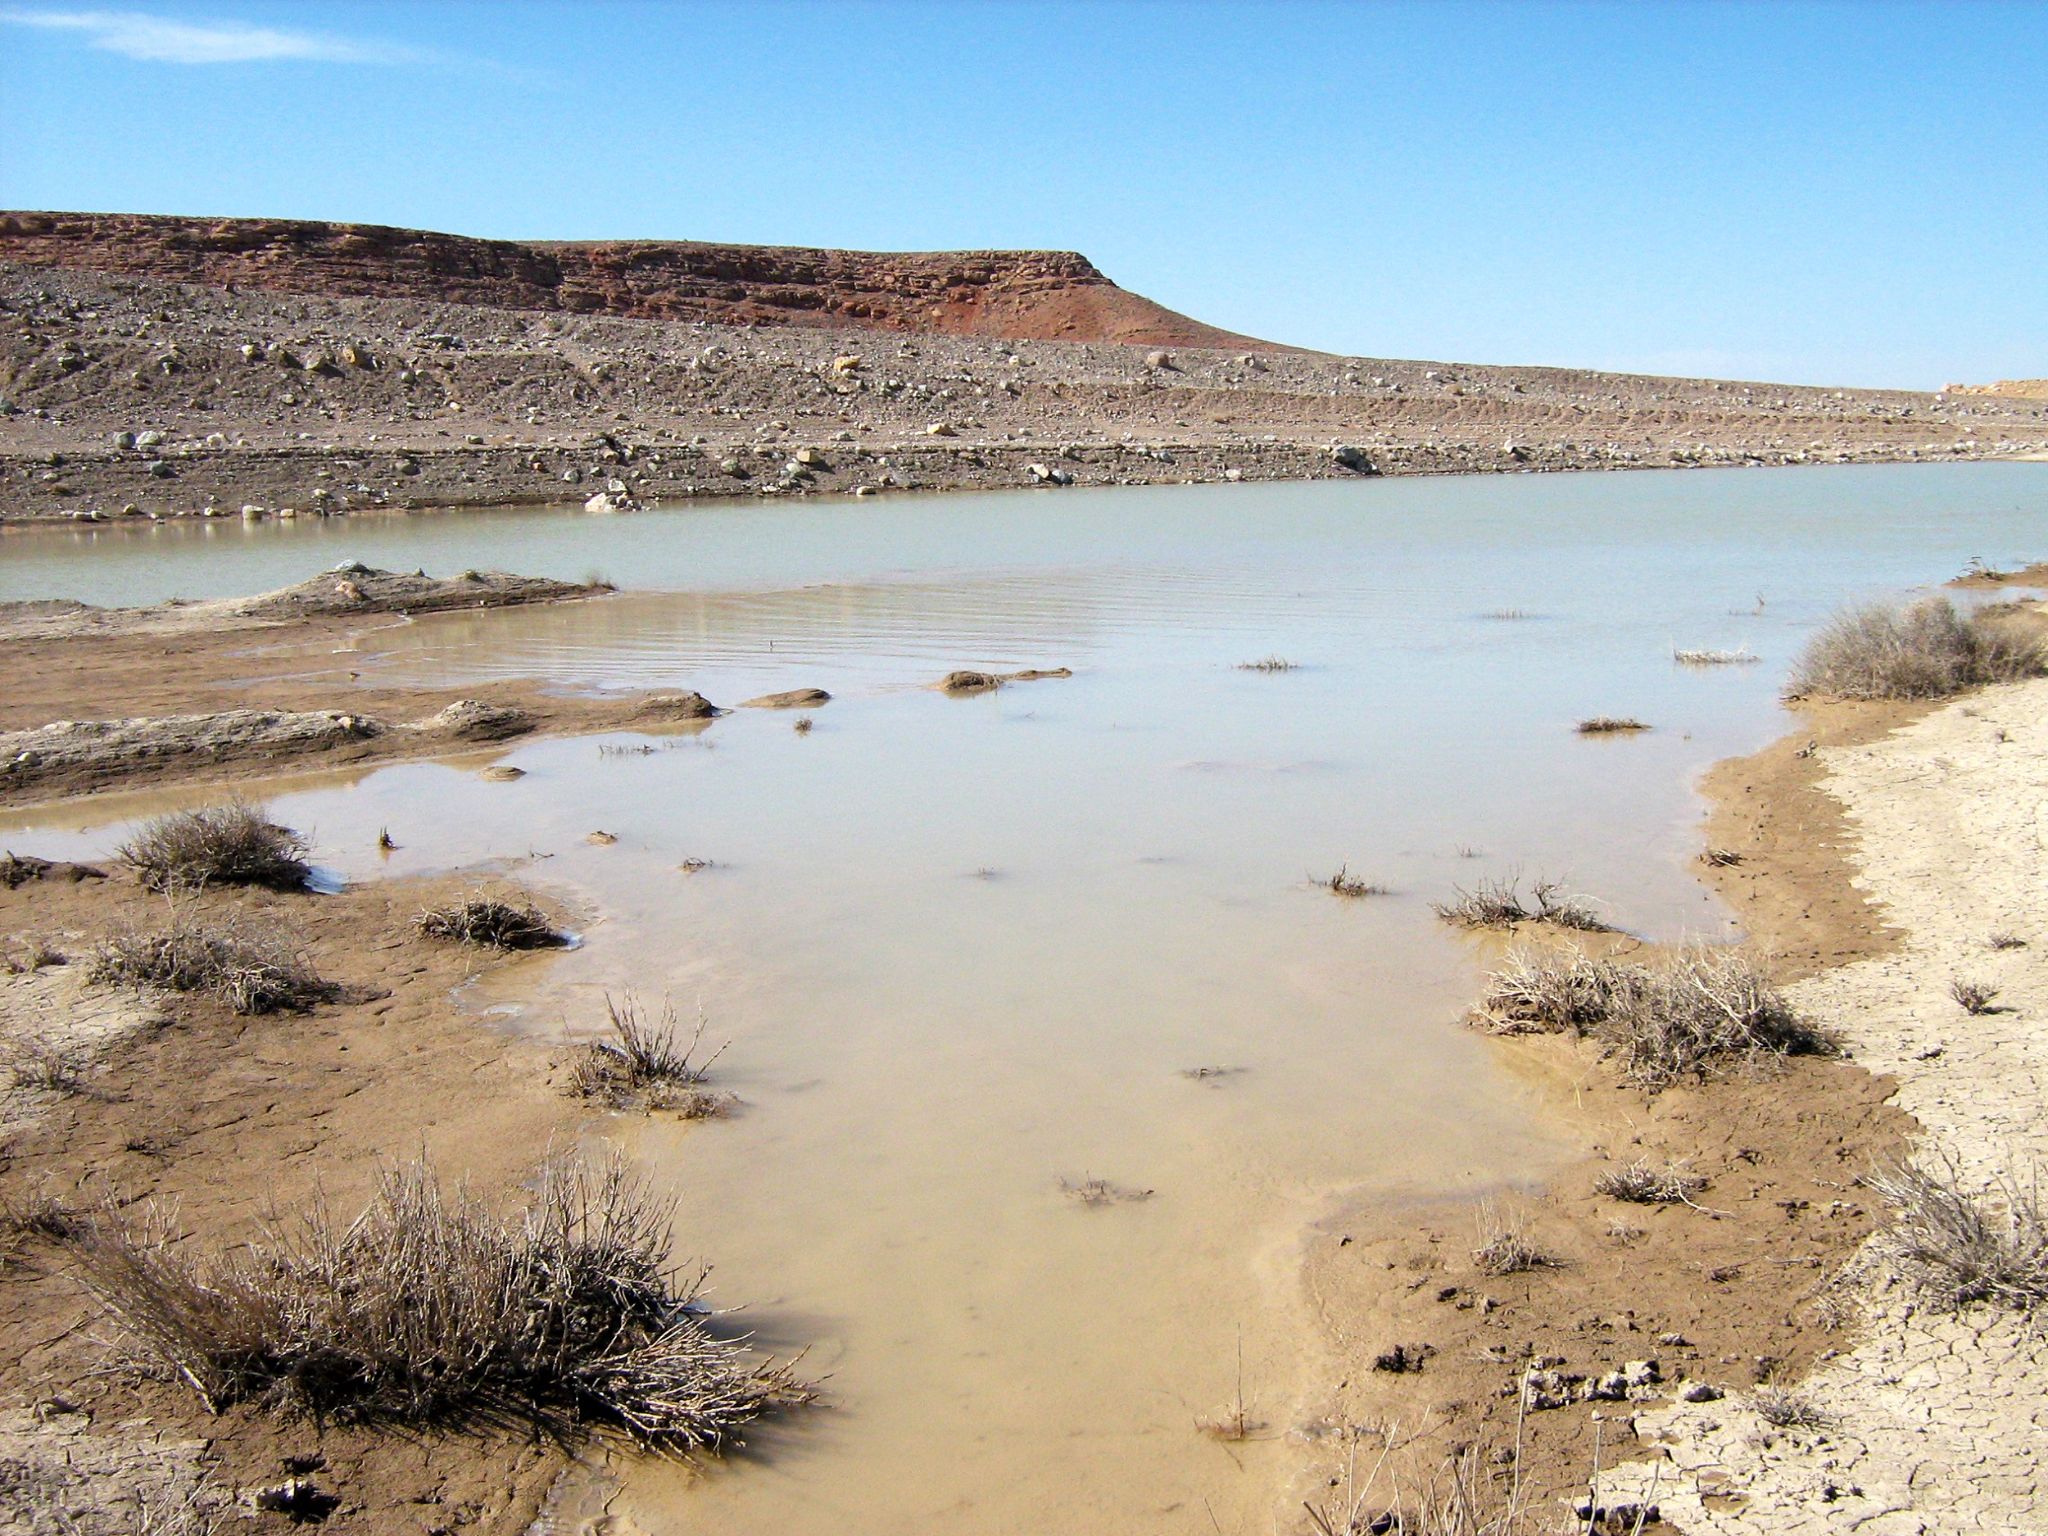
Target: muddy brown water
{"type": "Point", "coordinates": [968, 951]}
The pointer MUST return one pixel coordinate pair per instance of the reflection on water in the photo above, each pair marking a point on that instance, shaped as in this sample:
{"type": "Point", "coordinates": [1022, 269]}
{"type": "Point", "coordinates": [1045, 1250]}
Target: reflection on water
{"type": "Point", "coordinates": [966, 949]}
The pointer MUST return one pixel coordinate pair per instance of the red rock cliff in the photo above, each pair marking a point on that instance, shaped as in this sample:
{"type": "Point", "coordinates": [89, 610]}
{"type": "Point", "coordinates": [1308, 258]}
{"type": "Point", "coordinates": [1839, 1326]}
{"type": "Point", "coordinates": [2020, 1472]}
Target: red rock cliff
{"type": "Point", "coordinates": [1029, 295]}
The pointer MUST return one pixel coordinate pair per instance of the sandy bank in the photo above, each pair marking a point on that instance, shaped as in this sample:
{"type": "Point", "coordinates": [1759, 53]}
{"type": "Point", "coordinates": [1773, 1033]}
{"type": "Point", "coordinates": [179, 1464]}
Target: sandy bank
{"type": "Point", "coordinates": [262, 683]}
{"type": "Point", "coordinates": [1930, 1422]}
{"type": "Point", "coordinates": [230, 1119]}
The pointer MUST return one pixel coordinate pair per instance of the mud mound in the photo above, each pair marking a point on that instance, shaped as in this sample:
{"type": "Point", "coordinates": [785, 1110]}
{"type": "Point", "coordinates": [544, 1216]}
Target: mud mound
{"type": "Point", "coordinates": [1027, 295]}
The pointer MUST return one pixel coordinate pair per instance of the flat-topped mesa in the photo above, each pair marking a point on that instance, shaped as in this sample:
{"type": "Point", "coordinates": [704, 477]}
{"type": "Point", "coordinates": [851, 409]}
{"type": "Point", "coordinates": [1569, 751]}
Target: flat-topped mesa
{"type": "Point", "coordinates": [1023, 295]}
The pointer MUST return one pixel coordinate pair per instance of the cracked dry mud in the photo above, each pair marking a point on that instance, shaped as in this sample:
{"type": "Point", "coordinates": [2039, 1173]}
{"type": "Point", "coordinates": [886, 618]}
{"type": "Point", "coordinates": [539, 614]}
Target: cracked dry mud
{"type": "Point", "coordinates": [1932, 1423]}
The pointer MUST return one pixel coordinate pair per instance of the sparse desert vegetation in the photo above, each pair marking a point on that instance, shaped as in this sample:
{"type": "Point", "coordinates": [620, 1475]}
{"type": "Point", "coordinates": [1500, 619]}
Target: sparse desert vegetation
{"type": "Point", "coordinates": [232, 844]}
{"type": "Point", "coordinates": [1695, 1015]}
{"type": "Point", "coordinates": [1344, 883]}
{"type": "Point", "coordinates": [1962, 1246]}
{"type": "Point", "coordinates": [1784, 1408]}
{"type": "Point", "coordinates": [250, 967]}
{"type": "Point", "coordinates": [646, 1064]}
{"type": "Point", "coordinates": [491, 922]}
{"type": "Point", "coordinates": [431, 1307]}
{"type": "Point", "coordinates": [1505, 1247]}
{"type": "Point", "coordinates": [1500, 904]}
{"type": "Point", "coordinates": [1974, 996]}
{"type": "Point", "coordinates": [1927, 649]}
{"type": "Point", "coordinates": [1642, 1182]}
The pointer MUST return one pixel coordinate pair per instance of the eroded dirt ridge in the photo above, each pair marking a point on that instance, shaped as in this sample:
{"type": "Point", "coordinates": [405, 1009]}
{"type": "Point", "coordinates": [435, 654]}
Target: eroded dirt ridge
{"type": "Point", "coordinates": [1041, 295]}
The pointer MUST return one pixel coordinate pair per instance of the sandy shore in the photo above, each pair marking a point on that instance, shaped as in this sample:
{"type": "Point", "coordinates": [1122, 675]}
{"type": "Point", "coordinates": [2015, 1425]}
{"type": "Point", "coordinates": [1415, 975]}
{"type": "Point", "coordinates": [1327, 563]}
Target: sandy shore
{"type": "Point", "coordinates": [1931, 1422]}
{"type": "Point", "coordinates": [228, 1120]}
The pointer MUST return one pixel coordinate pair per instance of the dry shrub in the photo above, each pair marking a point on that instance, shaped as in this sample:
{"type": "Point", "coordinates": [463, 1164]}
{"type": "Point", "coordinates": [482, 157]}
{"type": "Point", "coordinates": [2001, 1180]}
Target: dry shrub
{"type": "Point", "coordinates": [1690, 1017]}
{"type": "Point", "coordinates": [1783, 1408]}
{"type": "Point", "coordinates": [1922, 650]}
{"type": "Point", "coordinates": [1644, 1183]}
{"type": "Point", "coordinates": [1609, 725]}
{"type": "Point", "coordinates": [492, 923]}
{"type": "Point", "coordinates": [43, 1064]}
{"type": "Point", "coordinates": [1268, 664]}
{"type": "Point", "coordinates": [644, 1065]}
{"type": "Point", "coordinates": [252, 970]}
{"type": "Point", "coordinates": [431, 1307]}
{"type": "Point", "coordinates": [1960, 1247]}
{"type": "Point", "coordinates": [1974, 996]}
{"type": "Point", "coordinates": [1344, 883]}
{"type": "Point", "coordinates": [1505, 1247]}
{"type": "Point", "coordinates": [231, 844]}
{"type": "Point", "coordinates": [1499, 904]}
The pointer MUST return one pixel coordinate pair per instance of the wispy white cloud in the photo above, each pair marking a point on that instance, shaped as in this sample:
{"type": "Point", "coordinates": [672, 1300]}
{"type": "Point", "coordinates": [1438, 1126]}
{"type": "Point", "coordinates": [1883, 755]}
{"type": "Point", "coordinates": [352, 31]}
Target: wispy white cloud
{"type": "Point", "coordinates": [137, 35]}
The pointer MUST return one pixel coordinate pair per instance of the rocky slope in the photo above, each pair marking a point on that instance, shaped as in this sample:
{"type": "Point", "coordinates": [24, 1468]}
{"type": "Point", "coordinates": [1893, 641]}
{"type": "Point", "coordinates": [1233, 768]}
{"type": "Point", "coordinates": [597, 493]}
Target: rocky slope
{"type": "Point", "coordinates": [2018, 389]}
{"type": "Point", "coordinates": [1027, 295]}
{"type": "Point", "coordinates": [124, 395]}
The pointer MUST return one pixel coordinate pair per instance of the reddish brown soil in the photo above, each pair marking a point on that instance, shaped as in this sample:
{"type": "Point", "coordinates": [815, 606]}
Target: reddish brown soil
{"type": "Point", "coordinates": [1026, 295]}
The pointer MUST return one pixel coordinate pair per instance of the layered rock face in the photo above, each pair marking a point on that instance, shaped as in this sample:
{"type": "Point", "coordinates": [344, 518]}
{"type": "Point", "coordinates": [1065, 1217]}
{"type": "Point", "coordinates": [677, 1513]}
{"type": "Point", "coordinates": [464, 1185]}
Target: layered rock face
{"type": "Point", "coordinates": [1026, 295]}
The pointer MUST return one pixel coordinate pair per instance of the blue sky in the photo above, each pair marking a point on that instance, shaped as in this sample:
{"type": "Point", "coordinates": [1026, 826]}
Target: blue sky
{"type": "Point", "coordinates": [1846, 193]}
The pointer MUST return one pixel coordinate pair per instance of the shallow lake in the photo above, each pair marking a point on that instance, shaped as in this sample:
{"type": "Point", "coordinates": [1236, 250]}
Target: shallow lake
{"type": "Point", "coordinates": [967, 950]}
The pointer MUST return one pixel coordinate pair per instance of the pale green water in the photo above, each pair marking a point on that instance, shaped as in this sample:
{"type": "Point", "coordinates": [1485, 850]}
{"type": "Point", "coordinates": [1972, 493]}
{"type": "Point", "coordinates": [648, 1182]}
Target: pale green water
{"type": "Point", "coordinates": [925, 1050]}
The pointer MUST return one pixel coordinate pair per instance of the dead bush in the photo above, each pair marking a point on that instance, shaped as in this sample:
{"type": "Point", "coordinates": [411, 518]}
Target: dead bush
{"type": "Point", "coordinates": [1610, 725]}
{"type": "Point", "coordinates": [645, 1065]}
{"type": "Point", "coordinates": [1344, 883]}
{"type": "Point", "coordinates": [492, 923]}
{"type": "Point", "coordinates": [431, 1307]}
{"type": "Point", "coordinates": [252, 970]}
{"type": "Point", "coordinates": [1974, 996]}
{"type": "Point", "coordinates": [1505, 1247]}
{"type": "Point", "coordinates": [1691, 1017]}
{"type": "Point", "coordinates": [1499, 904]}
{"type": "Point", "coordinates": [1783, 1408]}
{"type": "Point", "coordinates": [1961, 1247]}
{"type": "Point", "coordinates": [231, 844]}
{"type": "Point", "coordinates": [1922, 650]}
{"type": "Point", "coordinates": [1645, 1183]}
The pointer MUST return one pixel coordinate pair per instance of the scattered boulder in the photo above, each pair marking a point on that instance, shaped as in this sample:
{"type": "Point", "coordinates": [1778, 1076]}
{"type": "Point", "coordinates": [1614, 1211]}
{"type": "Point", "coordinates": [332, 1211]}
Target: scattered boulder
{"type": "Point", "coordinates": [473, 720]}
{"type": "Point", "coordinates": [794, 698]}
{"type": "Point", "coordinates": [678, 706]}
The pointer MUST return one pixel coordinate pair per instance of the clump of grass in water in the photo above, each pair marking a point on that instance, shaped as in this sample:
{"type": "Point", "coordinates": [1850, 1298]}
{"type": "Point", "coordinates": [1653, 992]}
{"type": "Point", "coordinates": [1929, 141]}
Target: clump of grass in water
{"type": "Point", "coordinates": [1344, 883]}
{"type": "Point", "coordinates": [1974, 996]}
{"type": "Point", "coordinates": [1960, 1247]}
{"type": "Point", "coordinates": [1711, 658]}
{"type": "Point", "coordinates": [1499, 904]}
{"type": "Point", "coordinates": [1644, 1183]}
{"type": "Point", "coordinates": [1269, 664]}
{"type": "Point", "coordinates": [431, 1308]}
{"type": "Point", "coordinates": [1096, 1193]}
{"type": "Point", "coordinates": [1692, 1017]}
{"type": "Point", "coordinates": [1610, 725]}
{"type": "Point", "coordinates": [253, 970]}
{"type": "Point", "coordinates": [494, 924]}
{"type": "Point", "coordinates": [645, 1065]}
{"type": "Point", "coordinates": [1923, 650]}
{"type": "Point", "coordinates": [231, 844]}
